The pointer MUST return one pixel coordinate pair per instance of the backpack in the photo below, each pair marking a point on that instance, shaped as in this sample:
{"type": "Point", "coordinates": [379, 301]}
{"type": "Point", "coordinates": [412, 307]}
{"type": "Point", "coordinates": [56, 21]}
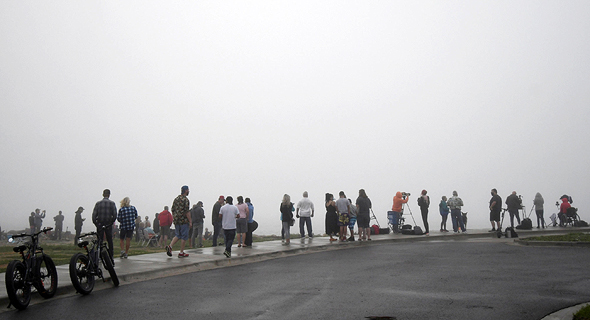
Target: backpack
{"type": "Point", "coordinates": [510, 233]}
{"type": "Point", "coordinates": [418, 231]}
{"type": "Point", "coordinates": [374, 229]}
{"type": "Point", "coordinates": [526, 224]}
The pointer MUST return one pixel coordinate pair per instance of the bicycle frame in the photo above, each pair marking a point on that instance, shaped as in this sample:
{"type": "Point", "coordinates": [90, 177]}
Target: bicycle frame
{"type": "Point", "coordinates": [32, 249]}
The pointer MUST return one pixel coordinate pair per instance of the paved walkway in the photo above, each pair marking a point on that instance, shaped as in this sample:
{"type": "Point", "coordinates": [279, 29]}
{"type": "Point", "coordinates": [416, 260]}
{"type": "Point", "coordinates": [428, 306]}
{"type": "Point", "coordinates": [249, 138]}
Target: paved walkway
{"type": "Point", "coordinates": [156, 265]}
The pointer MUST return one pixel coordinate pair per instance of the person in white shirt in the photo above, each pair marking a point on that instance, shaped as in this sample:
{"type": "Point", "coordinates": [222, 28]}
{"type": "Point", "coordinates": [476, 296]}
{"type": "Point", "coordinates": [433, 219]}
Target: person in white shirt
{"type": "Point", "coordinates": [305, 211]}
{"type": "Point", "coordinates": [228, 214]}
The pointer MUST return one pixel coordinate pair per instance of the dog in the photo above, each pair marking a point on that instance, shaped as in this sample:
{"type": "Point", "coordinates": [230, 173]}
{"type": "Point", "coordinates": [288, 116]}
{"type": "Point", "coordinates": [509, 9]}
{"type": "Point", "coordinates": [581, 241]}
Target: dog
{"type": "Point", "coordinates": [464, 214]}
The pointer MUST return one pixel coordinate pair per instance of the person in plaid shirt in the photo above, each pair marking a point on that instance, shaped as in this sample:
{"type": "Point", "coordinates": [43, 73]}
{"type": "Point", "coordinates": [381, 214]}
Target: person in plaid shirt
{"type": "Point", "coordinates": [105, 214]}
{"type": "Point", "coordinates": [182, 222]}
{"type": "Point", "coordinates": [126, 217]}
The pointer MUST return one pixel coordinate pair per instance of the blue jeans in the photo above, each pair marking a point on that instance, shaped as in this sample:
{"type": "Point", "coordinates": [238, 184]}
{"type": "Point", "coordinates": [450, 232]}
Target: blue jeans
{"type": "Point", "coordinates": [457, 220]}
{"type": "Point", "coordinates": [302, 222]}
{"type": "Point", "coordinates": [230, 235]}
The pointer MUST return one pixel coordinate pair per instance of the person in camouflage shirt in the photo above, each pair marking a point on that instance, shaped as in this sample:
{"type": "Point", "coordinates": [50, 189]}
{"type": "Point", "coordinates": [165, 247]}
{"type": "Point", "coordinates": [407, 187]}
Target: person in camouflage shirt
{"type": "Point", "coordinates": [182, 222]}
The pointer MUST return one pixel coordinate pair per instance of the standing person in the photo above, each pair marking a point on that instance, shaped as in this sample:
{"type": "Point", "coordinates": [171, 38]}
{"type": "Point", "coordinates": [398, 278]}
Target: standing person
{"type": "Point", "coordinates": [305, 212]}
{"type": "Point", "coordinates": [39, 216]}
{"type": "Point", "coordinates": [104, 215]}
{"type": "Point", "coordinates": [252, 225]}
{"type": "Point", "coordinates": [78, 222]}
{"type": "Point", "coordinates": [166, 219]}
{"type": "Point", "coordinates": [331, 217]}
{"type": "Point", "coordinates": [495, 209]}
{"type": "Point", "coordinates": [242, 223]}
{"type": "Point", "coordinates": [228, 214]}
{"type": "Point", "coordinates": [157, 224]}
{"type": "Point", "coordinates": [352, 213]}
{"type": "Point", "coordinates": [216, 220]}
{"type": "Point", "coordinates": [182, 219]}
{"type": "Point", "coordinates": [32, 222]}
{"type": "Point", "coordinates": [455, 203]}
{"type": "Point", "coordinates": [59, 223]}
{"type": "Point", "coordinates": [424, 203]}
{"type": "Point", "coordinates": [126, 217]}
{"type": "Point", "coordinates": [398, 201]}
{"type": "Point", "coordinates": [147, 223]}
{"type": "Point", "coordinates": [538, 203]}
{"type": "Point", "coordinates": [287, 217]}
{"type": "Point", "coordinates": [198, 217]}
{"type": "Point", "coordinates": [363, 217]}
{"type": "Point", "coordinates": [443, 208]}
{"type": "Point", "coordinates": [343, 208]}
{"type": "Point", "coordinates": [513, 203]}
{"type": "Point", "coordinates": [138, 229]}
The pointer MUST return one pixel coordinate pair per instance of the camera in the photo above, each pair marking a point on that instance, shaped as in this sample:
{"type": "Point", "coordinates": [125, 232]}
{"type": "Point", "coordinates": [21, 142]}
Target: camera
{"type": "Point", "coordinates": [405, 194]}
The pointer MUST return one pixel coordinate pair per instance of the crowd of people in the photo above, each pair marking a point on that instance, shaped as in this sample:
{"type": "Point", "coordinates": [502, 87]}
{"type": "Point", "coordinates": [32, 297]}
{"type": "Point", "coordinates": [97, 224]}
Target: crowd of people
{"type": "Point", "coordinates": [236, 222]}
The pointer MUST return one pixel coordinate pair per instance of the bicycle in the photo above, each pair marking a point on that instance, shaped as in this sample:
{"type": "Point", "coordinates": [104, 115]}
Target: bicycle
{"type": "Point", "coordinates": [36, 269]}
{"type": "Point", "coordinates": [84, 267]}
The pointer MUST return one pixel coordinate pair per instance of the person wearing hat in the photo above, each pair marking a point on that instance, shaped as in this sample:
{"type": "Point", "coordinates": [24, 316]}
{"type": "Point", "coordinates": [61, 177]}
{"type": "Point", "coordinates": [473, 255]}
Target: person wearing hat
{"type": "Point", "coordinates": [198, 217]}
{"type": "Point", "coordinates": [182, 219]}
{"type": "Point", "coordinates": [78, 221]}
{"type": "Point", "coordinates": [216, 220]}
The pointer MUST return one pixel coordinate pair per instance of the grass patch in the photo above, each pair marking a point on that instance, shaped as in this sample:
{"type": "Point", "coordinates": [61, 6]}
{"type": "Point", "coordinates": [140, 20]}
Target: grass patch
{"type": "Point", "coordinates": [570, 237]}
{"type": "Point", "coordinates": [583, 314]}
{"type": "Point", "coordinates": [61, 251]}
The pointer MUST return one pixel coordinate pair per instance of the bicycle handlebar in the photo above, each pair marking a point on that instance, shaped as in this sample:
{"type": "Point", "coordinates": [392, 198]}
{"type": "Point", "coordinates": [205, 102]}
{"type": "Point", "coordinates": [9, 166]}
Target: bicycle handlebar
{"type": "Point", "coordinates": [45, 230]}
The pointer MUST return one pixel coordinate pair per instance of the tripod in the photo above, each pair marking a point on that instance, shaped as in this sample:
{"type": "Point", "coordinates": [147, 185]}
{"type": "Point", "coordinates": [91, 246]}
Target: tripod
{"type": "Point", "coordinates": [373, 217]}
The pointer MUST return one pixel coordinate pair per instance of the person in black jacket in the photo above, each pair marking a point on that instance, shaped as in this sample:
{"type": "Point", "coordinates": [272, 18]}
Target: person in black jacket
{"type": "Point", "coordinates": [424, 203]}
{"type": "Point", "coordinates": [514, 204]}
{"type": "Point", "coordinates": [287, 217]}
{"type": "Point", "coordinates": [105, 214]}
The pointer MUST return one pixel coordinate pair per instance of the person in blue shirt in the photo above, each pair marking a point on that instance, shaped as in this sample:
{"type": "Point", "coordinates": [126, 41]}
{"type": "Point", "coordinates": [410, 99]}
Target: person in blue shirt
{"type": "Point", "coordinates": [252, 225]}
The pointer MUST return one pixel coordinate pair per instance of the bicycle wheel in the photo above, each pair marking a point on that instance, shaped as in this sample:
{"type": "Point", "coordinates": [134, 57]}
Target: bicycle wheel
{"type": "Point", "coordinates": [108, 264]}
{"type": "Point", "coordinates": [46, 283]}
{"type": "Point", "coordinates": [18, 291]}
{"type": "Point", "coordinates": [80, 274]}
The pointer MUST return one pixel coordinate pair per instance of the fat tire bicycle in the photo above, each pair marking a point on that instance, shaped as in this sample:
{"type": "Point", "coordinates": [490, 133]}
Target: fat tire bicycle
{"type": "Point", "coordinates": [84, 267]}
{"type": "Point", "coordinates": [36, 269]}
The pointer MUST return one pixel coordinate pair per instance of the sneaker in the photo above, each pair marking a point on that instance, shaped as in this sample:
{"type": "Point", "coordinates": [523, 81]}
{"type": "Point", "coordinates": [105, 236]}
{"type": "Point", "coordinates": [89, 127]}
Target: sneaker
{"type": "Point", "coordinates": [351, 238]}
{"type": "Point", "coordinates": [427, 234]}
{"type": "Point", "coordinates": [182, 254]}
{"type": "Point", "coordinates": [122, 254]}
{"type": "Point", "coordinates": [169, 251]}
{"type": "Point", "coordinates": [227, 254]}
{"type": "Point", "coordinates": [125, 256]}
{"type": "Point", "coordinates": [493, 230]}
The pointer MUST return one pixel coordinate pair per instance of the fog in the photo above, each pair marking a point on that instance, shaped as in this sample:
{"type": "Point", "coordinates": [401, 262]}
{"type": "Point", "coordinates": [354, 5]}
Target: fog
{"type": "Point", "coordinates": [263, 98]}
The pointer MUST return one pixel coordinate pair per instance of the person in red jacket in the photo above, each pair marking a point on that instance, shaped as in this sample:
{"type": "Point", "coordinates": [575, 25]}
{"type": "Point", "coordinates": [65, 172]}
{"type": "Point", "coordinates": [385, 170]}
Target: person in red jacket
{"type": "Point", "coordinates": [398, 201]}
{"type": "Point", "coordinates": [563, 211]}
{"type": "Point", "coordinates": [165, 218]}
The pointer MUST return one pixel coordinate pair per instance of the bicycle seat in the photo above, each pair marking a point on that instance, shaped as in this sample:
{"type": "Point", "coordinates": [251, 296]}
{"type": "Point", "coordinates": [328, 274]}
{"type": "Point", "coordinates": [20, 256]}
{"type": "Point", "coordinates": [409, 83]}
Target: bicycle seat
{"type": "Point", "coordinates": [83, 244]}
{"type": "Point", "coordinates": [20, 248]}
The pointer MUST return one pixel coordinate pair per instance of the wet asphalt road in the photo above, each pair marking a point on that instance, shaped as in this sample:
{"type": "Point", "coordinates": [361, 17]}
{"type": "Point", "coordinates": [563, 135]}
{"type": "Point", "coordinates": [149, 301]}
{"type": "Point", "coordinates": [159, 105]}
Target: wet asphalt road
{"type": "Point", "coordinates": [467, 279]}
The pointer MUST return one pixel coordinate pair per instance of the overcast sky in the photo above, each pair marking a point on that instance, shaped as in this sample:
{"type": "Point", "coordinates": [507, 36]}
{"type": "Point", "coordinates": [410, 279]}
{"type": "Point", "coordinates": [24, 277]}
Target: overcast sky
{"type": "Point", "coordinates": [263, 98]}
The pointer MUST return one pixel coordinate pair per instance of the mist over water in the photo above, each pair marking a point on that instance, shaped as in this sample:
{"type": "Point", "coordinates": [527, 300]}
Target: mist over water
{"type": "Point", "coordinates": [267, 98]}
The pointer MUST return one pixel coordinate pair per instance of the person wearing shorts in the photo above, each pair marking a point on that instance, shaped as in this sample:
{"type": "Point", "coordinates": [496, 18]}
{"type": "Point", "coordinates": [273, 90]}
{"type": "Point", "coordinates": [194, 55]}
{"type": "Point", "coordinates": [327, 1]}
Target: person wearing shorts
{"type": "Point", "coordinates": [495, 209]}
{"type": "Point", "coordinates": [126, 217]}
{"type": "Point", "coordinates": [343, 207]}
{"type": "Point", "coordinates": [181, 215]}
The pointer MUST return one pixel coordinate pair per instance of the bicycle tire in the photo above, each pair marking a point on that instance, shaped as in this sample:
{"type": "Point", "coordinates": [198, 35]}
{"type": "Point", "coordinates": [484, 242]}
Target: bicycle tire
{"type": "Point", "coordinates": [19, 292]}
{"type": "Point", "coordinates": [108, 264]}
{"type": "Point", "coordinates": [46, 273]}
{"type": "Point", "coordinates": [80, 275]}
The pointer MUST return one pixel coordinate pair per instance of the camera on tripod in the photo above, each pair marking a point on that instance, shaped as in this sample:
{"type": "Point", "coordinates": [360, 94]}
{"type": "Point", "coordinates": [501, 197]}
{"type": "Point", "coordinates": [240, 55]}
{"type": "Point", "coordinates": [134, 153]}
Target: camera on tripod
{"type": "Point", "coordinates": [405, 194]}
